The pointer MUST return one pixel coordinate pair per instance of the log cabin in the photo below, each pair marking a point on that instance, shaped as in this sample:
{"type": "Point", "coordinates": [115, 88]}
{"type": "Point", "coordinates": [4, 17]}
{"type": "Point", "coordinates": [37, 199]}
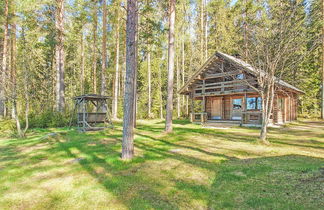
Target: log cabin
{"type": "Point", "coordinates": [223, 89]}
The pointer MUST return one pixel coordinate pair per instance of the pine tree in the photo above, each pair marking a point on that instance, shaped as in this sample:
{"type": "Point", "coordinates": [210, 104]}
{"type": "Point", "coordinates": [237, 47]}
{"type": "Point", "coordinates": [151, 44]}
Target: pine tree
{"type": "Point", "coordinates": [171, 56]}
{"type": "Point", "coordinates": [129, 108]}
{"type": "Point", "coordinates": [60, 86]}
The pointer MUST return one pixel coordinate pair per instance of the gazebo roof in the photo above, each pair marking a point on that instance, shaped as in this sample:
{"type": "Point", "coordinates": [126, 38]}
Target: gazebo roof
{"type": "Point", "coordinates": [92, 97]}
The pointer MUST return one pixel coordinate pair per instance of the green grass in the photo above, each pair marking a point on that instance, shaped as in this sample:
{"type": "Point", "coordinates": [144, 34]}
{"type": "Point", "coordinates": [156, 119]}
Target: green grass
{"type": "Point", "coordinates": [192, 168]}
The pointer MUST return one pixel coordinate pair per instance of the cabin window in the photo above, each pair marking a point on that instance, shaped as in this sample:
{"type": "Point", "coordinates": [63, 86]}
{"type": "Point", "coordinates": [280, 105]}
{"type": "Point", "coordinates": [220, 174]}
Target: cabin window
{"type": "Point", "coordinates": [237, 104]}
{"type": "Point", "coordinates": [239, 76]}
{"type": "Point", "coordinates": [253, 103]}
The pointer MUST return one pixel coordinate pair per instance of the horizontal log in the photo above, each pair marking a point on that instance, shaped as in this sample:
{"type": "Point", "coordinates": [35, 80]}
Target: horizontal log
{"type": "Point", "coordinates": [226, 86]}
{"type": "Point", "coordinates": [218, 75]}
{"type": "Point", "coordinates": [227, 82]}
{"type": "Point", "coordinates": [228, 92]}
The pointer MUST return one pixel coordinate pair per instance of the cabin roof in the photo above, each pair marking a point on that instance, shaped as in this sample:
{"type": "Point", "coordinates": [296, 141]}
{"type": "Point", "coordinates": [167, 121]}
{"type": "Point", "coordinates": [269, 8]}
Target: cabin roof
{"type": "Point", "coordinates": [247, 67]}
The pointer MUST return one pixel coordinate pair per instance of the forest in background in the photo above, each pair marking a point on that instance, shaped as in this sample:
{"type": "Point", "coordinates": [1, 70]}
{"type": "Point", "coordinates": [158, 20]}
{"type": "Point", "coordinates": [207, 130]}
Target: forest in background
{"type": "Point", "coordinates": [93, 58]}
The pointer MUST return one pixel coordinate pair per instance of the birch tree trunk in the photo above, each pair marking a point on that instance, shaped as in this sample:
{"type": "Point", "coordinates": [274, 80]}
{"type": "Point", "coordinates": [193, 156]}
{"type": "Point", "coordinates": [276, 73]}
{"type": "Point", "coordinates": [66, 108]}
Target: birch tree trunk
{"type": "Point", "coordinates": [171, 54]}
{"type": "Point", "coordinates": [13, 69]}
{"type": "Point", "coordinates": [178, 87]}
{"type": "Point", "coordinates": [104, 48]}
{"type": "Point", "coordinates": [267, 96]}
{"type": "Point", "coordinates": [183, 67]}
{"type": "Point", "coordinates": [14, 79]}
{"type": "Point", "coordinates": [60, 97]}
{"type": "Point", "coordinates": [116, 80]}
{"type": "Point", "coordinates": [4, 61]}
{"type": "Point", "coordinates": [131, 65]}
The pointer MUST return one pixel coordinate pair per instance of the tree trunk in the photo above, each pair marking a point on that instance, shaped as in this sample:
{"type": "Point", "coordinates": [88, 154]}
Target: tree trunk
{"type": "Point", "coordinates": [104, 48]}
{"type": "Point", "coordinates": [267, 103]}
{"type": "Point", "coordinates": [13, 70]}
{"type": "Point", "coordinates": [160, 94]}
{"type": "Point", "coordinates": [14, 80]}
{"type": "Point", "coordinates": [322, 110]}
{"type": "Point", "coordinates": [206, 31]}
{"type": "Point", "coordinates": [94, 50]}
{"type": "Point", "coordinates": [128, 122]}
{"type": "Point", "coordinates": [245, 29]}
{"type": "Point", "coordinates": [178, 87]}
{"type": "Point", "coordinates": [60, 101]}
{"type": "Point", "coordinates": [4, 61]}
{"type": "Point", "coordinates": [149, 82]}
{"type": "Point", "coordinates": [21, 132]}
{"type": "Point", "coordinates": [171, 54]}
{"type": "Point", "coordinates": [82, 63]}
{"type": "Point", "coordinates": [202, 31]}
{"type": "Point", "coordinates": [183, 66]}
{"type": "Point", "coordinates": [116, 80]}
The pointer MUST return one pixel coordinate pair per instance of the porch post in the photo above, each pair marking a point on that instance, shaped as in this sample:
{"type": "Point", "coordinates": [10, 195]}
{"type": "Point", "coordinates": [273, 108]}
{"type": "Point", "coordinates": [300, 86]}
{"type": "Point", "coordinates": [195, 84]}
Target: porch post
{"type": "Point", "coordinates": [244, 114]}
{"type": "Point", "coordinates": [204, 104]}
{"type": "Point", "coordinates": [204, 100]}
{"type": "Point", "coordinates": [191, 107]}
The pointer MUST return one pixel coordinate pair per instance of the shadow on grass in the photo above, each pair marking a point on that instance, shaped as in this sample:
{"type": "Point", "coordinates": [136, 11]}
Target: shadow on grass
{"type": "Point", "coordinates": [266, 182]}
{"type": "Point", "coordinates": [246, 178]}
{"type": "Point", "coordinates": [281, 182]}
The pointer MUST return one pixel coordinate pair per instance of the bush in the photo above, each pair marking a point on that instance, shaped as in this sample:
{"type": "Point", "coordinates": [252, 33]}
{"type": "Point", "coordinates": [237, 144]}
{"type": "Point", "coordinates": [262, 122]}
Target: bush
{"type": "Point", "coordinates": [7, 127]}
{"type": "Point", "coordinates": [47, 119]}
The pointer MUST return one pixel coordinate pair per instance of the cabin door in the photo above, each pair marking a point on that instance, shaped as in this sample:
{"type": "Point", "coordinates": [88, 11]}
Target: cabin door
{"type": "Point", "coordinates": [237, 108]}
{"type": "Point", "coordinates": [216, 109]}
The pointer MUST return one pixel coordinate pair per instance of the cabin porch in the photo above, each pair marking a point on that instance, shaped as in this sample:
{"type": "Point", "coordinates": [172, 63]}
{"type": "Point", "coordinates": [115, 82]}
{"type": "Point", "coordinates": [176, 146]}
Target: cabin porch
{"type": "Point", "coordinates": [228, 109]}
{"type": "Point", "coordinates": [241, 109]}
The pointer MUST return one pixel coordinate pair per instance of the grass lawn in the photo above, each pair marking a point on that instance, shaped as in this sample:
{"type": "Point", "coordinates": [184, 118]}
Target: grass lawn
{"type": "Point", "coordinates": [192, 168]}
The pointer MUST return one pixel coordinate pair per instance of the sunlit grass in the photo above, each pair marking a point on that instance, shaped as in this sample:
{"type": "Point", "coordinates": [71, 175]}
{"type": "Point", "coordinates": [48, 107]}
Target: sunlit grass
{"type": "Point", "coordinates": [191, 168]}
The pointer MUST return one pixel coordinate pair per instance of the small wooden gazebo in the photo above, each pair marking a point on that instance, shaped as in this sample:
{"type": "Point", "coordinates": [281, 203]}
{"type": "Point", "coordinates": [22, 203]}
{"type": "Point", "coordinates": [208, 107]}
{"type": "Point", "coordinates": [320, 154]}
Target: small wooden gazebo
{"type": "Point", "coordinates": [92, 112]}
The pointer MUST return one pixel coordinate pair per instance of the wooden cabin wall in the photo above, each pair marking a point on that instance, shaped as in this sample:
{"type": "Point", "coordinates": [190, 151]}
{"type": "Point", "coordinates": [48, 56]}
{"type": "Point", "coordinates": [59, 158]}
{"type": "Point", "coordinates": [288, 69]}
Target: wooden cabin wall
{"type": "Point", "coordinates": [289, 111]}
{"type": "Point", "coordinates": [275, 110]}
{"type": "Point", "coordinates": [228, 107]}
{"type": "Point", "coordinates": [280, 115]}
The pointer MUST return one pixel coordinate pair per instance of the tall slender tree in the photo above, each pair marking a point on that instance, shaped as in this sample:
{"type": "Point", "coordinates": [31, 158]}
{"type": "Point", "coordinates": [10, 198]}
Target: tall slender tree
{"type": "Point", "coordinates": [322, 110]}
{"type": "Point", "coordinates": [149, 72]}
{"type": "Point", "coordinates": [4, 61]}
{"type": "Point", "coordinates": [116, 80]}
{"type": "Point", "coordinates": [131, 68]}
{"type": "Point", "coordinates": [60, 86]}
{"type": "Point", "coordinates": [82, 61]}
{"type": "Point", "coordinates": [171, 55]}
{"type": "Point", "coordinates": [104, 48]}
{"type": "Point", "coordinates": [94, 46]}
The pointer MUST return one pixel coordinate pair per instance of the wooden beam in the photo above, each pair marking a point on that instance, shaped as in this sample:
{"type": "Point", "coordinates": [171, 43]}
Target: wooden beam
{"type": "Point", "coordinates": [244, 81]}
{"type": "Point", "coordinates": [228, 92]}
{"type": "Point", "coordinates": [224, 86]}
{"type": "Point", "coordinates": [218, 75]}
